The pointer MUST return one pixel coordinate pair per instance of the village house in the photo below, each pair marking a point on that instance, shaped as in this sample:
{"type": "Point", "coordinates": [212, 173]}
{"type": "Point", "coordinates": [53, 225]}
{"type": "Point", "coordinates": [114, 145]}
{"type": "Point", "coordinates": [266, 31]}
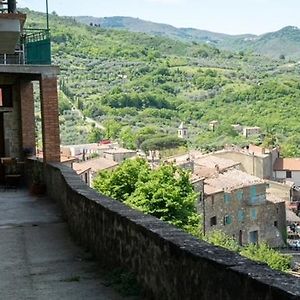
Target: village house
{"type": "Point", "coordinates": [119, 154]}
{"type": "Point", "coordinates": [238, 204]}
{"type": "Point", "coordinates": [251, 131]}
{"type": "Point", "coordinates": [213, 125]}
{"type": "Point", "coordinates": [89, 169]}
{"type": "Point", "coordinates": [83, 151]}
{"type": "Point", "coordinates": [287, 169]}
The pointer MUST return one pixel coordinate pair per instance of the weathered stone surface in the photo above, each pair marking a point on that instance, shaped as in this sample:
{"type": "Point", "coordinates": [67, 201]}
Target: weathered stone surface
{"type": "Point", "coordinates": [39, 260]}
{"type": "Point", "coordinates": [168, 263]}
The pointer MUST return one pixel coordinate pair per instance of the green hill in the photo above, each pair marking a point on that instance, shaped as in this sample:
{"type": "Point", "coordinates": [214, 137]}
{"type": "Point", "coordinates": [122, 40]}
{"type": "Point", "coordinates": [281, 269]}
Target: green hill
{"type": "Point", "coordinates": [283, 42]}
{"type": "Point", "coordinates": [140, 86]}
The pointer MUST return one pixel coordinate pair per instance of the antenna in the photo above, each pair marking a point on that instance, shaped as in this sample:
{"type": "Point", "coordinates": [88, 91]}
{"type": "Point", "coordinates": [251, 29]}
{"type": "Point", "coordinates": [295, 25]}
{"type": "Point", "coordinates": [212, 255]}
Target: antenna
{"type": "Point", "coordinates": [47, 14]}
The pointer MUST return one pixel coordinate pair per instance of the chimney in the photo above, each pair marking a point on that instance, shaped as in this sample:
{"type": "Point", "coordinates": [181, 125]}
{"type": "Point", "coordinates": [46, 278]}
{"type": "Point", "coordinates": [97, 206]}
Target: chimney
{"type": "Point", "coordinates": [217, 168]}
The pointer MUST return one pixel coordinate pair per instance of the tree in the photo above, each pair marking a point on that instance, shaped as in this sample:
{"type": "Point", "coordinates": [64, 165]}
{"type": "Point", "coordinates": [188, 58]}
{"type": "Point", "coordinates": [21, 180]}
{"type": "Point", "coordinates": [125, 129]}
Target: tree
{"type": "Point", "coordinates": [282, 56]}
{"type": "Point", "coordinates": [121, 183]}
{"type": "Point", "coordinates": [162, 142]}
{"type": "Point", "coordinates": [165, 193]}
{"type": "Point", "coordinates": [112, 129]}
{"type": "Point", "coordinates": [128, 138]}
{"type": "Point", "coordinates": [95, 135]}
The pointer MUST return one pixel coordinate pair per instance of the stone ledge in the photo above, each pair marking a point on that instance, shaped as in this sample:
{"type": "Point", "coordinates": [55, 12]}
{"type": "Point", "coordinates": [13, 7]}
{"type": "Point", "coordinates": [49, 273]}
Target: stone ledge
{"type": "Point", "coordinates": [169, 263]}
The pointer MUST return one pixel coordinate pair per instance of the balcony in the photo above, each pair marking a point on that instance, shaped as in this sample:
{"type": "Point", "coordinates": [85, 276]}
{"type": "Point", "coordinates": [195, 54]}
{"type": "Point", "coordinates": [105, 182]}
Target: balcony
{"type": "Point", "coordinates": [38, 258]}
{"type": "Point", "coordinates": [32, 48]}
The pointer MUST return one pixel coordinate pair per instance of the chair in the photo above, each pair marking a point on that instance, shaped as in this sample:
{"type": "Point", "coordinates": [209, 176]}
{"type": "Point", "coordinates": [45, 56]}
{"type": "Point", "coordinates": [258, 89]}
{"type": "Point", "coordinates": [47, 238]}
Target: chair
{"type": "Point", "coordinates": [11, 175]}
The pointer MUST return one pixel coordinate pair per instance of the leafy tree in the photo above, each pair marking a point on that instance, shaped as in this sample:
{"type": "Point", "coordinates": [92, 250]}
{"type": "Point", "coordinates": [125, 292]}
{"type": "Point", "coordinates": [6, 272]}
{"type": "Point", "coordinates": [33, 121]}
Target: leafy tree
{"type": "Point", "coordinates": [162, 142]}
{"type": "Point", "coordinates": [95, 135]}
{"type": "Point", "coordinates": [128, 138]}
{"type": "Point", "coordinates": [121, 183]}
{"type": "Point", "coordinates": [167, 194]}
{"type": "Point", "coordinates": [112, 129]}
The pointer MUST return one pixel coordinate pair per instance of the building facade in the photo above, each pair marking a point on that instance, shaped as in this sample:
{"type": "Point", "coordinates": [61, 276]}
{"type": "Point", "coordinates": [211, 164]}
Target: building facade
{"type": "Point", "coordinates": [19, 68]}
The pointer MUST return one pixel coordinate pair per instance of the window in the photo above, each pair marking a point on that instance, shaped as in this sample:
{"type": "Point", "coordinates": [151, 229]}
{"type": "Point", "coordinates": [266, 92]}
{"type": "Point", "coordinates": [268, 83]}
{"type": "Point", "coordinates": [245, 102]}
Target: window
{"type": "Point", "coordinates": [288, 174]}
{"type": "Point", "coordinates": [239, 195]}
{"type": "Point", "coordinates": [253, 237]}
{"type": "Point", "coordinates": [253, 213]}
{"type": "Point", "coordinates": [213, 221]}
{"type": "Point", "coordinates": [227, 198]}
{"type": "Point", "coordinates": [227, 220]}
{"type": "Point", "coordinates": [275, 223]}
{"type": "Point", "coordinates": [5, 96]}
{"type": "Point", "coordinates": [241, 216]}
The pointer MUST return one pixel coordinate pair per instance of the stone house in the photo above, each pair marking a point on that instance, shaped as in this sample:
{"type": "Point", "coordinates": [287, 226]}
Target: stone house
{"type": "Point", "coordinates": [287, 169]}
{"type": "Point", "coordinates": [254, 160]}
{"type": "Point", "coordinates": [213, 125]}
{"type": "Point", "coordinates": [250, 131]}
{"type": "Point", "coordinates": [119, 154]}
{"type": "Point", "coordinates": [89, 168]}
{"type": "Point", "coordinates": [238, 204]}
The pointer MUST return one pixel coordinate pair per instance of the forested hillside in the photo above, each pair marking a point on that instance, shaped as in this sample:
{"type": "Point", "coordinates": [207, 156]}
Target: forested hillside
{"type": "Point", "coordinates": [140, 85]}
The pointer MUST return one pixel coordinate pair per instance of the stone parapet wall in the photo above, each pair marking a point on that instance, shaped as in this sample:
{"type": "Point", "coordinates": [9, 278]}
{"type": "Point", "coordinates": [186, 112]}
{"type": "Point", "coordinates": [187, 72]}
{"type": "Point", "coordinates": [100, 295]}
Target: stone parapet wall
{"type": "Point", "coordinates": [168, 263]}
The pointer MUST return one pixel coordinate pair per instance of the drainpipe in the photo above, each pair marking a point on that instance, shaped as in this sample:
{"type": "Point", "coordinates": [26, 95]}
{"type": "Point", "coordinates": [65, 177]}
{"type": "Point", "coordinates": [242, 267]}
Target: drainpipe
{"type": "Point", "coordinates": [203, 209]}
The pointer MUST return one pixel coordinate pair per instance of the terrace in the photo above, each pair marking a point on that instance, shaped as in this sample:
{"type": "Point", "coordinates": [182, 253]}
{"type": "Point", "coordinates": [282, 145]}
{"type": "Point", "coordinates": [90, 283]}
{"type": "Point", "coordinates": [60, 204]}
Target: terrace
{"type": "Point", "coordinates": [39, 260]}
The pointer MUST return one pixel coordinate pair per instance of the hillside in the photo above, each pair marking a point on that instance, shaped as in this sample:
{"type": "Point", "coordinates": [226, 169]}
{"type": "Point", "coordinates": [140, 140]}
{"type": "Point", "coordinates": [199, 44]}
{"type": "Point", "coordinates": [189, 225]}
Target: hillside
{"type": "Point", "coordinates": [140, 86]}
{"type": "Point", "coordinates": [283, 42]}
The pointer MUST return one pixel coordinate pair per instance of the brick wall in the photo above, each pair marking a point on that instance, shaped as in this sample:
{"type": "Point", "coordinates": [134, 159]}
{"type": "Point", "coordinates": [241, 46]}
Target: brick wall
{"type": "Point", "coordinates": [169, 263]}
{"type": "Point", "coordinates": [27, 115]}
{"type": "Point", "coordinates": [50, 122]}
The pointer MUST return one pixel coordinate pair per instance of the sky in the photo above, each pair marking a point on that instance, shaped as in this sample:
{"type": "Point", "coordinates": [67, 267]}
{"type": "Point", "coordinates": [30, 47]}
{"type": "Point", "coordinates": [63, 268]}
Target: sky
{"type": "Point", "coordinates": [226, 16]}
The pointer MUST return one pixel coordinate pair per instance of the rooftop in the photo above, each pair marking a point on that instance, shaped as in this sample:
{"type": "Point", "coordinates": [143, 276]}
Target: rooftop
{"type": "Point", "coordinates": [230, 180]}
{"type": "Point", "coordinates": [119, 151]}
{"type": "Point", "coordinates": [210, 161]}
{"type": "Point", "coordinates": [96, 165]}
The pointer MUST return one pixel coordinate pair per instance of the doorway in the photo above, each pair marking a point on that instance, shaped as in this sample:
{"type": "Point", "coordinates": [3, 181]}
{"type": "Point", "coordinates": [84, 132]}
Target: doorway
{"type": "Point", "coordinates": [241, 238]}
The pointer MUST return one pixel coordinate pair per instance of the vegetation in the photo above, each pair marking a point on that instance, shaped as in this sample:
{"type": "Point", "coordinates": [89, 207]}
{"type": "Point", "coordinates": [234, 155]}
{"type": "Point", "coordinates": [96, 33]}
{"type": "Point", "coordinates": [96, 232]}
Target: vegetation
{"type": "Point", "coordinates": [134, 80]}
{"type": "Point", "coordinates": [165, 193]}
{"type": "Point", "coordinates": [273, 44]}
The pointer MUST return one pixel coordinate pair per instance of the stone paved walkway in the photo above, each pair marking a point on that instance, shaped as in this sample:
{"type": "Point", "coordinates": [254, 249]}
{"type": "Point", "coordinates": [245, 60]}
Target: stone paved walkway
{"type": "Point", "coordinates": [38, 259]}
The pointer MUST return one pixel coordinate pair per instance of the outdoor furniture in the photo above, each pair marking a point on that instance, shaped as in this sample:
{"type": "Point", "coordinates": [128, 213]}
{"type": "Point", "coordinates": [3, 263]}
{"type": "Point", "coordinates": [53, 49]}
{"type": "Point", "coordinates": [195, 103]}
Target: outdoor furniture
{"type": "Point", "coordinates": [12, 175]}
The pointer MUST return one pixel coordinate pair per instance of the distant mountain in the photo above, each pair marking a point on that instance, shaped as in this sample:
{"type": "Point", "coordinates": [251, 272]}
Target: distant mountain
{"type": "Point", "coordinates": [138, 25]}
{"type": "Point", "coordinates": [285, 42]}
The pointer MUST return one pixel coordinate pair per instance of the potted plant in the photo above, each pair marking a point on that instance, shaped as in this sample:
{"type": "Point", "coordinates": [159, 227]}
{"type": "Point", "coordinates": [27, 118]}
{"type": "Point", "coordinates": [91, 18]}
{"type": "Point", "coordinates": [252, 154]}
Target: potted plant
{"type": "Point", "coordinates": [38, 186]}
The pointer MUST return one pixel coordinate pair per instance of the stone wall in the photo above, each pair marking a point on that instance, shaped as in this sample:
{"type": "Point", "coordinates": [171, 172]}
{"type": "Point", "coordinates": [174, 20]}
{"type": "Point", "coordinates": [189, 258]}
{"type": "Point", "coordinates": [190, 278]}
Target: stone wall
{"type": "Point", "coordinates": [168, 263]}
{"type": "Point", "coordinates": [254, 165]}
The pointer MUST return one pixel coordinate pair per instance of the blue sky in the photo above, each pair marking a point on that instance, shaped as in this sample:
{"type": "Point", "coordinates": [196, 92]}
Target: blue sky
{"type": "Point", "coordinates": [227, 16]}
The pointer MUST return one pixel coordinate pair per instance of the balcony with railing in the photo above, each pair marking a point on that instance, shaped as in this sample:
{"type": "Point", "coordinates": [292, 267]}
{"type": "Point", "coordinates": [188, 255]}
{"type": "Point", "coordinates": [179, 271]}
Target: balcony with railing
{"type": "Point", "coordinates": [21, 45]}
